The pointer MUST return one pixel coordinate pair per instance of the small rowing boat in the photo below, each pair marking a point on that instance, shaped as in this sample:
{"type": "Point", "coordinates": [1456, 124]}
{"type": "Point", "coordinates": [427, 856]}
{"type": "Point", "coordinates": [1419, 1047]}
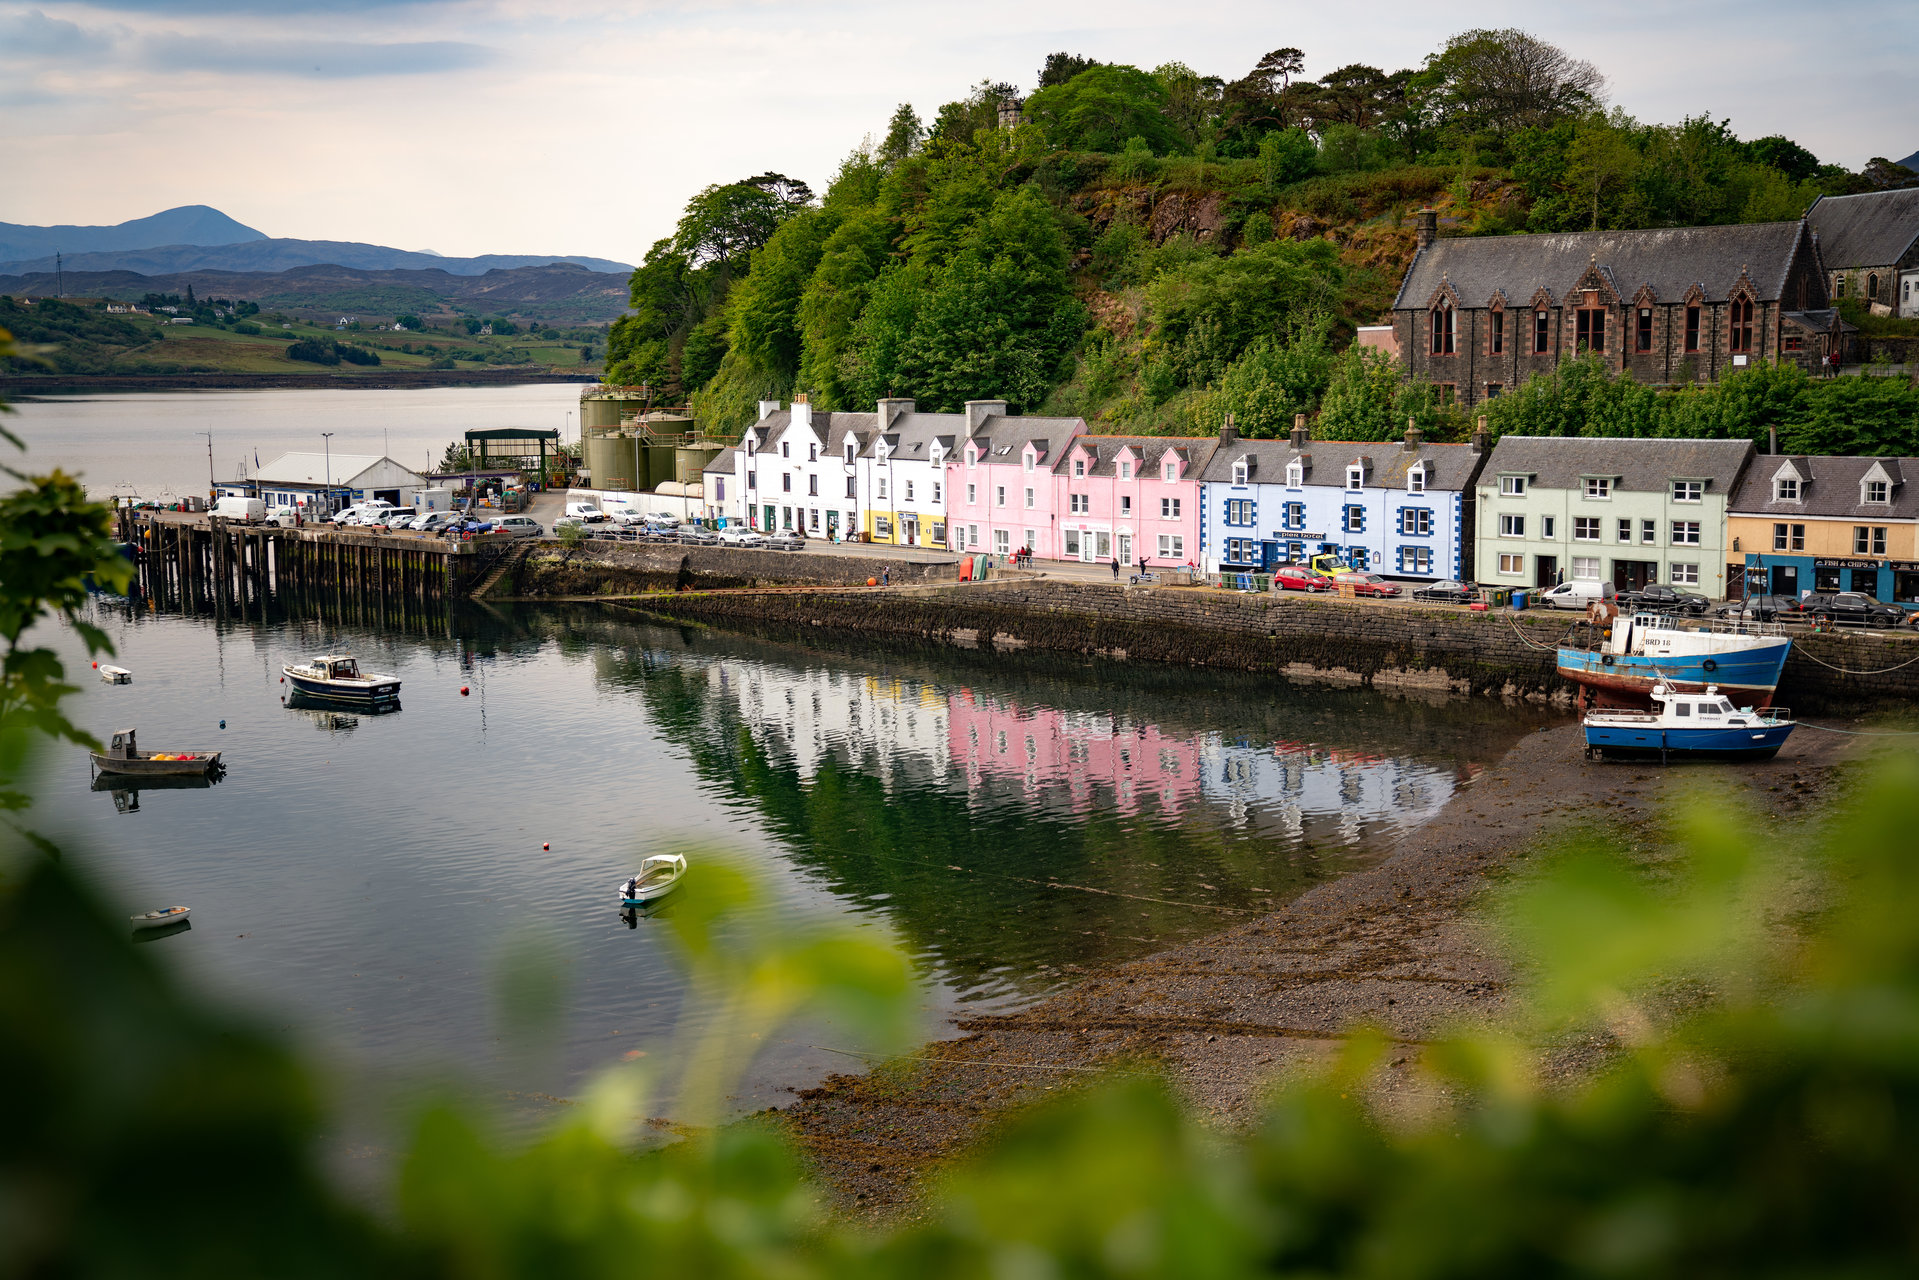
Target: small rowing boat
{"type": "Point", "coordinates": [1699, 725]}
{"type": "Point", "coordinates": [124, 756]}
{"type": "Point", "coordinates": [115, 675]}
{"type": "Point", "coordinates": [162, 918]}
{"type": "Point", "coordinates": [658, 876]}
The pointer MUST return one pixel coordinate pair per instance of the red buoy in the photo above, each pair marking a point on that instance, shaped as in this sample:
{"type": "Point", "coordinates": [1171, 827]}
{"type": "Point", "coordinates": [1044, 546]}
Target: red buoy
{"type": "Point", "coordinates": [546, 846]}
{"type": "Point", "coordinates": [463, 691]}
{"type": "Point", "coordinates": [96, 666]}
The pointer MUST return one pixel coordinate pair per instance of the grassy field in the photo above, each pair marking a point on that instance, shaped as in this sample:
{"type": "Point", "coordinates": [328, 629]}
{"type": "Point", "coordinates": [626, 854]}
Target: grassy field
{"type": "Point", "coordinates": [208, 349]}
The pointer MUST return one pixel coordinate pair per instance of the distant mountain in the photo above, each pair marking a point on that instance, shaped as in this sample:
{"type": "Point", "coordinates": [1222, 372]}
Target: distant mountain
{"type": "Point", "coordinates": [559, 293]}
{"type": "Point", "coordinates": [196, 238]}
{"type": "Point", "coordinates": [189, 224]}
{"type": "Point", "coordinates": [1910, 162]}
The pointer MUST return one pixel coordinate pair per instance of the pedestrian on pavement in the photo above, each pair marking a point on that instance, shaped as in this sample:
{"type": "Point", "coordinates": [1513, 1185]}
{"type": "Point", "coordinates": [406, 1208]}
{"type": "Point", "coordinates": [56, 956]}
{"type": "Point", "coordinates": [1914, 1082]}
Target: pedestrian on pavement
{"type": "Point", "coordinates": [1115, 568]}
{"type": "Point", "coordinates": [886, 577]}
{"type": "Point", "coordinates": [1142, 566]}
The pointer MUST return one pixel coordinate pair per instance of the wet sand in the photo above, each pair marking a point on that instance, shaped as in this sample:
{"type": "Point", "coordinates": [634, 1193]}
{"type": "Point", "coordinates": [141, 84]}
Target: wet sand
{"type": "Point", "coordinates": [1394, 947]}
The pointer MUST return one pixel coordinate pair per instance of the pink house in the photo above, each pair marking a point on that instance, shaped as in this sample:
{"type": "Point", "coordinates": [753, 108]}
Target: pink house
{"type": "Point", "coordinates": [999, 484]}
{"type": "Point", "coordinates": [1128, 498]}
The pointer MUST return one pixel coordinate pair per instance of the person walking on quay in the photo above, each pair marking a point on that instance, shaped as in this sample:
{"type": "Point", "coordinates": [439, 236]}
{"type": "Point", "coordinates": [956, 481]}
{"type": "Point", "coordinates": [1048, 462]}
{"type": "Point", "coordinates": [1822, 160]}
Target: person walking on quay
{"type": "Point", "coordinates": [1142, 566]}
{"type": "Point", "coordinates": [886, 577]}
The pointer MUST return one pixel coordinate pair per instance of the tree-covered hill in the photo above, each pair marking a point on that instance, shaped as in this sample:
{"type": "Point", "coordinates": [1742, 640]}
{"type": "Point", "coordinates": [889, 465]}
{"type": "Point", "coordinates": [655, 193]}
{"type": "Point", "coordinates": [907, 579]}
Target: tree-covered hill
{"type": "Point", "coordinates": [1153, 249]}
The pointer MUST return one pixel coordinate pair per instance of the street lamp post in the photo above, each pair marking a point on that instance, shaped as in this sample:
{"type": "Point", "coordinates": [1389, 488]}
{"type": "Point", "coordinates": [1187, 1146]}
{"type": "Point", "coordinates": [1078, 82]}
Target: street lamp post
{"type": "Point", "coordinates": [327, 437]}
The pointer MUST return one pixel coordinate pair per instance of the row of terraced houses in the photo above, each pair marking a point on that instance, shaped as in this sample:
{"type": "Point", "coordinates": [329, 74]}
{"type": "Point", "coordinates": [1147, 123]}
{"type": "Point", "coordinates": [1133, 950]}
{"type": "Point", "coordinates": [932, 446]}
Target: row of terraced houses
{"type": "Point", "coordinates": [1712, 516]}
{"type": "Point", "coordinates": [1474, 316]}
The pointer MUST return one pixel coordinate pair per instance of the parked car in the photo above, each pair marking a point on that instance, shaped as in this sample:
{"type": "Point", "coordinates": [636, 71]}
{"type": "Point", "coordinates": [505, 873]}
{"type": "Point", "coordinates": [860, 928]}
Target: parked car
{"type": "Point", "coordinates": [1448, 592]}
{"type": "Point", "coordinates": [1657, 597]}
{"type": "Point", "coordinates": [1297, 577]}
{"type": "Point", "coordinates": [581, 510]}
{"type": "Point", "coordinates": [591, 519]}
{"type": "Point", "coordinates": [521, 526]}
{"type": "Point", "coordinates": [1366, 584]}
{"type": "Point", "coordinates": [1759, 608]}
{"type": "Point", "coordinates": [432, 521]}
{"type": "Point", "coordinates": [359, 512]}
{"type": "Point", "coordinates": [245, 510]}
{"type": "Point", "coordinates": [284, 517]}
{"type": "Point", "coordinates": [697, 534]}
{"type": "Point", "coordinates": [1576, 594]}
{"type": "Point", "coordinates": [625, 516]}
{"type": "Point", "coordinates": [785, 542]}
{"type": "Point", "coordinates": [1853, 607]}
{"type": "Point", "coordinates": [392, 518]}
{"type": "Point", "coordinates": [741, 536]}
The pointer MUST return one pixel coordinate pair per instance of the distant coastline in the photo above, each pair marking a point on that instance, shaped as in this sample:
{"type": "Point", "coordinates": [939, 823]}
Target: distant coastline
{"type": "Point", "coordinates": [27, 386]}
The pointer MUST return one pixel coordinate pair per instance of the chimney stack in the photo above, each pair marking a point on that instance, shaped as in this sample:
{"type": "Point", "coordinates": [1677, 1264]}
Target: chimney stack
{"type": "Point", "coordinates": [802, 411]}
{"type": "Point", "coordinates": [1227, 431]}
{"type": "Point", "coordinates": [978, 411]}
{"type": "Point", "coordinates": [1482, 438]}
{"type": "Point", "coordinates": [1300, 435]}
{"type": "Point", "coordinates": [1428, 227]}
{"type": "Point", "coordinates": [768, 408]}
{"type": "Point", "coordinates": [1414, 437]}
{"type": "Point", "coordinates": [891, 409]}
{"type": "Point", "coordinates": [1772, 439]}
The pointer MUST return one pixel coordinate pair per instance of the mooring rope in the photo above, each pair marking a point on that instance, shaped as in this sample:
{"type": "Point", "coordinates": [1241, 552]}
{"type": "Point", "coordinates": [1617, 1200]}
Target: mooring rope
{"type": "Point", "coordinates": [1860, 733]}
{"type": "Point", "coordinates": [1847, 671]}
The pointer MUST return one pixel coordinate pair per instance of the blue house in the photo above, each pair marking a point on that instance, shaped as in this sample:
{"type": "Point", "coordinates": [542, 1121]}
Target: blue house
{"type": "Point", "coordinates": [1399, 508]}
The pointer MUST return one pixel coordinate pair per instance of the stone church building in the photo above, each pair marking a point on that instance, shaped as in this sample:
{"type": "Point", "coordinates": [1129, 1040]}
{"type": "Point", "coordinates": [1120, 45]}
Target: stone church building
{"type": "Point", "coordinates": [1478, 315]}
{"type": "Point", "coordinates": [1870, 246]}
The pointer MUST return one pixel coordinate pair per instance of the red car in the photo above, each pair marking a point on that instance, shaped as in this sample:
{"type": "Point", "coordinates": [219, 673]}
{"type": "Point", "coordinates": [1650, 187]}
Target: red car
{"type": "Point", "coordinates": [1297, 577]}
{"type": "Point", "coordinates": [1366, 584]}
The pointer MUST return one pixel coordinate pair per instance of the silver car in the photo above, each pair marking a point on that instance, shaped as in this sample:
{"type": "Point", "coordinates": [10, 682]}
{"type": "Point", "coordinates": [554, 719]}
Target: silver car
{"type": "Point", "coordinates": [521, 526]}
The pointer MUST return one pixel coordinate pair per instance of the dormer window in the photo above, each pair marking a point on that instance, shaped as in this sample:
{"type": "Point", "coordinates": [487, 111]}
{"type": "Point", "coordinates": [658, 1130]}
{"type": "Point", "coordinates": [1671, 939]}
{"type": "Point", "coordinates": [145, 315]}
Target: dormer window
{"type": "Point", "coordinates": [1355, 477]}
{"type": "Point", "coordinates": [972, 456]}
{"type": "Point", "coordinates": [1878, 491]}
{"type": "Point", "coordinates": [1239, 471]}
{"type": "Point", "coordinates": [1416, 479]}
{"type": "Point", "coordinates": [1079, 468]}
{"type": "Point", "coordinates": [1171, 472]}
{"type": "Point", "coordinates": [1029, 459]}
{"type": "Point", "coordinates": [1295, 474]}
{"type": "Point", "coordinates": [1785, 489]}
{"type": "Point", "coordinates": [752, 446]}
{"type": "Point", "coordinates": [849, 453]}
{"type": "Point", "coordinates": [1126, 471]}
{"type": "Point", "coordinates": [1688, 490]}
{"type": "Point", "coordinates": [786, 449]}
{"type": "Point", "coordinates": [1512, 486]}
{"type": "Point", "coordinates": [1599, 487]}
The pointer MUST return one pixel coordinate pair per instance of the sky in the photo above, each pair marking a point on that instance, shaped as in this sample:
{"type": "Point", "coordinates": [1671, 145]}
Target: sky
{"type": "Point", "coordinates": [581, 127]}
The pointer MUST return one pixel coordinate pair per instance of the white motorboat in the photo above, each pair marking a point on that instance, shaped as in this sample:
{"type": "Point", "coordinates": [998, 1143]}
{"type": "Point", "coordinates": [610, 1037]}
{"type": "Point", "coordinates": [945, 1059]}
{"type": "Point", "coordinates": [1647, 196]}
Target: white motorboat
{"type": "Point", "coordinates": [162, 918]}
{"type": "Point", "coordinates": [658, 876]}
{"type": "Point", "coordinates": [115, 675]}
{"type": "Point", "coordinates": [1701, 725]}
{"type": "Point", "coordinates": [337, 678]}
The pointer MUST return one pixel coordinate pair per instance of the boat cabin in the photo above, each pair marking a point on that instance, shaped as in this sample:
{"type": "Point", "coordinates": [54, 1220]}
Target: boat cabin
{"type": "Point", "coordinates": [122, 747]}
{"type": "Point", "coordinates": [335, 668]}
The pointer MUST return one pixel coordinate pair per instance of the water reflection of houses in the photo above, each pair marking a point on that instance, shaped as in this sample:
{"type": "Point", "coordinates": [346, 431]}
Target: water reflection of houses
{"type": "Point", "coordinates": [909, 731]}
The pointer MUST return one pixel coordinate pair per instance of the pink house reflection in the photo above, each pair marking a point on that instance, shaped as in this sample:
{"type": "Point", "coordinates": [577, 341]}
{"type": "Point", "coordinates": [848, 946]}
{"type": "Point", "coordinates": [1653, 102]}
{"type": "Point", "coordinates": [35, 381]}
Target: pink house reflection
{"type": "Point", "coordinates": [1080, 754]}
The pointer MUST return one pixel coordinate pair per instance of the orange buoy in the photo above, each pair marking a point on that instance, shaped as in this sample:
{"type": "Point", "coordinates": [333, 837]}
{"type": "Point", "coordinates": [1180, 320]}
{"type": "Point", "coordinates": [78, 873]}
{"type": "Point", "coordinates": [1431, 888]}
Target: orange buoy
{"type": "Point", "coordinates": [463, 691]}
{"type": "Point", "coordinates": [546, 846]}
{"type": "Point", "coordinates": [872, 582]}
{"type": "Point", "coordinates": [96, 666]}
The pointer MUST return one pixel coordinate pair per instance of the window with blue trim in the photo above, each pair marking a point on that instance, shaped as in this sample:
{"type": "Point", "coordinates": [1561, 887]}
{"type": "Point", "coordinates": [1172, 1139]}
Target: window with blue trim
{"type": "Point", "coordinates": [1240, 511]}
{"type": "Point", "coordinates": [1295, 516]}
{"type": "Point", "coordinates": [1416, 522]}
{"type": "Point", "coordinates": [1355, 519]}
{"type": "Point", "coordinates": [1242, 551]}
{"type": "Point", "coordinates": [1415, 559]}
{"type": "Point", "coordinates": [1358, 557]}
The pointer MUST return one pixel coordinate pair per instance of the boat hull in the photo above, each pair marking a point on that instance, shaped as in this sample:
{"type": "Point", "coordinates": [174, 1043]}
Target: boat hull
{"type": "Point", "coordinates": [197, 768]}
{"type": "Point", "coordinates": [370, 694]}
{"type": "Point", "coordinates": [1730, 742]}
{"type": "Point", "coordinates": [1747, 676]}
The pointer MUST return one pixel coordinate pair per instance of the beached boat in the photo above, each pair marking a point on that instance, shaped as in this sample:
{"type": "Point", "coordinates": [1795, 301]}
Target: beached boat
{"type": "Point", "coordinates": [123, 755]}
{"type": "Point", "coordinates": [1699, 725]}
{"type": "Point", "coordinates": [1628, 656]}
{"type": "Point", "coordinates": [658, 876]}
{"type": "Point", "coordinates": [337, 677]}
{"type": "Point", "coordinates": [164, 918]}
{"type": "Point", "coordinates": [115, 675]}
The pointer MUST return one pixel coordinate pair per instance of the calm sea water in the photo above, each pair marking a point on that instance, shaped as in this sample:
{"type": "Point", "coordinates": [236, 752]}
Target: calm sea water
{"type": "Point", "coordinates": [366, 880]}
{"type": "Point", "coordinates": [150, 443]}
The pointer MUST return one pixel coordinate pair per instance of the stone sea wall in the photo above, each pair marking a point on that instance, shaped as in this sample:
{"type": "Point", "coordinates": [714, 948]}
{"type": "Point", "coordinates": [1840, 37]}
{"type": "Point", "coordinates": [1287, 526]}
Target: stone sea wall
{"type": "Point", "coordinates": [1389, 646]}
{"type": "Point", "coordinates": [599, 568]}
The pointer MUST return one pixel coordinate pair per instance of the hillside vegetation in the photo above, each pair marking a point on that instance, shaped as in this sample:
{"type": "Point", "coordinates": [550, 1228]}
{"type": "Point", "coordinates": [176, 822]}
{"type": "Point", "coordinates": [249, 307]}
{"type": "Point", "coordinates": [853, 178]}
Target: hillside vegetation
{"type": "Point", "coordinates": [1154, 249]}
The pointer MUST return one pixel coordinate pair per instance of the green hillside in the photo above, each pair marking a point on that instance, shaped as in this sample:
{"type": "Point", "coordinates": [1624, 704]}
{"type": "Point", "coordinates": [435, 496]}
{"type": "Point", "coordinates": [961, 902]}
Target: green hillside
{"type": "Point", "coordinates": [1153, 249]}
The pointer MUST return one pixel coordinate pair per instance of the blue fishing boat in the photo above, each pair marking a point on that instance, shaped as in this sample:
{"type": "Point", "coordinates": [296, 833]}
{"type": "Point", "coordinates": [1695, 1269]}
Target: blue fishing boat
{"type": "Point", "coordinates": [1698, 725]}
{"type": "Point", "coordinates": [1628, 656]}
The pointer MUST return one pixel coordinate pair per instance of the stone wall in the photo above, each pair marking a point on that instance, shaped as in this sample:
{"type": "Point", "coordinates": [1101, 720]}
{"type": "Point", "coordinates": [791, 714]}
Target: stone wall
{"type": "Point", "coordinates": [1390, 646]}
{"type": "Point", "coordinates": [599, 568]}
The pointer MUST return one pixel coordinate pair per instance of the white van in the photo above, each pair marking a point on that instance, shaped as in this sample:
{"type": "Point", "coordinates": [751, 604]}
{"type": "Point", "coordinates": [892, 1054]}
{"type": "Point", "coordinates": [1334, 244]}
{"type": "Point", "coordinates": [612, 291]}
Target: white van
{"type": "Point", "coordinates": [1576, 594]}
{"type": "Point", "coordinates": [250, 510]}
{"type": "Point", "coordinates": [363, 512]}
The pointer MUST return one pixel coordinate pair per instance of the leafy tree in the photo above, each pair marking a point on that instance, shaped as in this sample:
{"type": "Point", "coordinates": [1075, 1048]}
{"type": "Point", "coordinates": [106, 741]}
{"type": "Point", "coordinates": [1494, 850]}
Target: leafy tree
{"type": "Point", "coordinates": [1783, 154]}
{"type": "Point", "coordinates": [834, 297]}
{"type": "Point", "coordinates": [1192, 102]}
{"type": "Point", "coordinates": [1209, 311]}
{"type": "Point", "coordinates": [765, 323]}
{"type": "Point", "coordinates": [1497, 81]}
{"type": "Point", "coordinates": [1102, 107]}
{"type": "Point", "coordinates": [702, 352]}
{"type": "Point", "coordinates": [409, 322]}
{"type": "Point", "coordinates": [1367, 398]}
{"type": "Point", "coordinates": [1275, 380]}
{"type": "Point", "coordinates": [959, 124]}
{"type": "Point", "coordinates": [1061, 67]}
{"type": "Point", "coordinates": [1286, 156]}
{"type": "Point", "coordinates": [313, 351]}
{"type": "Point", "coordinates": [723, 225]}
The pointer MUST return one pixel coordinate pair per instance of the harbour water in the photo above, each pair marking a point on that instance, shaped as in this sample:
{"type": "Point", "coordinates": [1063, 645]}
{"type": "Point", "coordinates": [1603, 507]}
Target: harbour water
{"type": "Point", "coordinates": [150, 443]}
{"type": "Point", "coordinates": [364, 880]}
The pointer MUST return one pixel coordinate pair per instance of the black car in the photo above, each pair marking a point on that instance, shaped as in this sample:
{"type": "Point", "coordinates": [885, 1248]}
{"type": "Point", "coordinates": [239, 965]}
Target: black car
{"type": "Point", "coordinates": [1657, 597]}
{"type": "Point", "coordinates": [1448, 592]}
{"type": "Point", "coordinates": [1854, 607]}
{"type": "Point", "coordinates": [1760, 608]}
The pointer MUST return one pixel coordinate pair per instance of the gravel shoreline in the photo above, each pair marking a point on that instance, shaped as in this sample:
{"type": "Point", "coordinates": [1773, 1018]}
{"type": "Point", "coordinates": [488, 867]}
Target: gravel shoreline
{"type": "Point", "coordinates": [1394, 946]}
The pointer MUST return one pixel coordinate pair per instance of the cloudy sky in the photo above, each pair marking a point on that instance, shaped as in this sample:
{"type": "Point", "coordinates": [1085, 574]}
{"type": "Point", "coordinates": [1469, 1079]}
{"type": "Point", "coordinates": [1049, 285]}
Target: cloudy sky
{"type": "Point", "coordinates": [572, 126]}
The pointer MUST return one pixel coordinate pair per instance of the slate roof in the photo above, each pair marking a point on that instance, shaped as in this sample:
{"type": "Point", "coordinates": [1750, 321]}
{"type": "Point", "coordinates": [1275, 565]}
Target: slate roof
{"type": "Point", "coordinates": [722, 462]}
{"type": "Point", "coordinates": [1870, 230]}
{"type": "Point", "coordinates": [1194, 451]}
{"type": "Point", "coordinates": [1449, 467]}
{"type": "Point", "coordinates": [1828, 487]}
{"type": "Point", "coordinates": [1636, 465]}
{"type": "Point", "coordinates": [832, 427]}
{"type": "Point", "coordinates": [314, 468]}
{"type": "Point", "coordinates": [1671, 260]}
{"type": "Point", "coordinates": [1002, 438]}
{"type": "Point", "coordinates": [911, 436]}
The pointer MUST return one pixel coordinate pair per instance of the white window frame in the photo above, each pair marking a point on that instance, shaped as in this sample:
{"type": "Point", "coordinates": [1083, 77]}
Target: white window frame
{"type": "Point", "coordinates": [1584, 568]}
{"type": "Point", "coordinates": [1169, 509]}
{"type": "Point", "coordinates": [1686, 533]}
{"type": "Point", "coordinates": [1512, 525]}
{"type": "Point", "coordinates": [1171, 546]}
{"type": "Point", "coordinates": [1785, 489]}
{"type": "Point", "coordinates": [1295, 475]}
{"type": "Point", "coordinates": [1355, 477]}
{"type": "Point", "coordinates": [1512, 486]}
{"type": "Point", "coordinates": [972, 495]}
{"type": "Point", "coordinates": [1512, 564]}
{"type": "Point", "coordinates": [1125, 470]}
{"type": "Point", "coordinates": [1029, 498]}
{"type": "Point", "coordinates": [1689, 491]}
{"type": "Point", "coordinates": [1684, 575]}
{"type": "Point", "coordinates": [1079, 468]}
{"type": "Point", "coordinates": [1416, 479]}
{"type": "Point", "coordinates": [999, 495]}
{"type": "Point", "coordinates": [1599, 488]}
{"type": "Point", "coordinates": [1586, 528]}
{"type": "Point", "coordinates": [1002, 542]}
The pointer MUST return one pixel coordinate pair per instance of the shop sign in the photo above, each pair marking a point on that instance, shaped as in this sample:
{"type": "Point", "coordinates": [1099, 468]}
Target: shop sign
{"type": "Point", "coordinates": [1847, 564]}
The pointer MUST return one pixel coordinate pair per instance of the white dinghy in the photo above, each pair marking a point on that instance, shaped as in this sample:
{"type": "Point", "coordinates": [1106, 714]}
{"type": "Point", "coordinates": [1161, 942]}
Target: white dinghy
{"type": "Point", "coordinates": [658, 876]}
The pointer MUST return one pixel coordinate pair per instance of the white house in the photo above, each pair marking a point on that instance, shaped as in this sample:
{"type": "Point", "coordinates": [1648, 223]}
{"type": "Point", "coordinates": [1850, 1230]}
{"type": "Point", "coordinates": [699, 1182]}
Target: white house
{"type": "Point", "coordinates": [902, 476]}
{"type": "Point", "coordinates": [796, 470]}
